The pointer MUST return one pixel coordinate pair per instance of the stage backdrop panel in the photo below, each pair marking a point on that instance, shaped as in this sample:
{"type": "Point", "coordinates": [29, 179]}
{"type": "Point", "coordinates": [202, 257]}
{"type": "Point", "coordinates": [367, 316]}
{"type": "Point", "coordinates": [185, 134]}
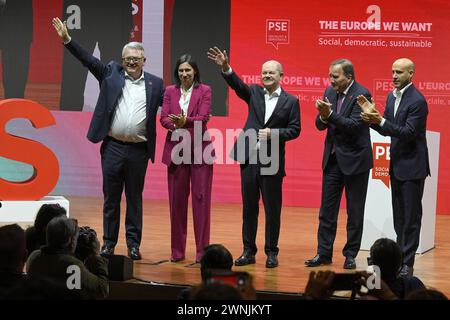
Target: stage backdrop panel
{"type": "Point", "coordinates": [305, 36]}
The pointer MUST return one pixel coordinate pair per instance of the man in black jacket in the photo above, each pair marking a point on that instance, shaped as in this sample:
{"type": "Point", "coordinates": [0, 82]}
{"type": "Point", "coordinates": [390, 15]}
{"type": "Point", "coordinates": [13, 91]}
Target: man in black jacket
{"type": "Point", "coordinates": [405, 121]}
{"type": "Point", "coordinates": [273, 118]}
{"type": "Point", "coordinates": [347, 160]}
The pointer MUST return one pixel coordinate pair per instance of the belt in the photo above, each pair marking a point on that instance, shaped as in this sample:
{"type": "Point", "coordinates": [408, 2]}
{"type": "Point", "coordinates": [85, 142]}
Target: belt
{"type": "Point", "coordinates": [126, 143]}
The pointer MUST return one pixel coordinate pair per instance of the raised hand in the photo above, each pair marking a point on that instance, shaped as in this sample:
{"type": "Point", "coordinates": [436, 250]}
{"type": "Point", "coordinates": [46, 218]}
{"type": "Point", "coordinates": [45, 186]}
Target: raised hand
{"type": "Point", "coordinates": [369, 113]}
{"type": "Point", "coordinates": [219, 57]}
{"type": "Point", "coordinates": [365, 105]}
{"type": "Point", "coordinates": [61, 29]}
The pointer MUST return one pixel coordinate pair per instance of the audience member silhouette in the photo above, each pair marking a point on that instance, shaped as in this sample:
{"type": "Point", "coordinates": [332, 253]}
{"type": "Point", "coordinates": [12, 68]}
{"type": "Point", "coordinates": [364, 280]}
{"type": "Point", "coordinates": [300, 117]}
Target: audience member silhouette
{"type": "Point", "coordinates": [215, 256]}
{"type": "Point", "coordinates": [426, 294]}
{"type": "Point", "coordinates": [216, 291]}
{"type": "Point", "coordinates": [36, 235]}
{"type": "Point", "coordinates": [13, 254]}
{"type": "Point", "coordinates": [55, 261]}
{"type": "Point", "coordinates": [387, 255]}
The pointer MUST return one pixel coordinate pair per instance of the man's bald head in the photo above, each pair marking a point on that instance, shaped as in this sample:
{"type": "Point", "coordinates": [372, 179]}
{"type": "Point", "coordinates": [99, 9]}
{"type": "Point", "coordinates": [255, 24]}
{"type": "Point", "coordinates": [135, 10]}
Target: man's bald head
{"type": "Point", "coordinates": [405, 63]}
{"type": "Point", "coordinates": [402, 72]}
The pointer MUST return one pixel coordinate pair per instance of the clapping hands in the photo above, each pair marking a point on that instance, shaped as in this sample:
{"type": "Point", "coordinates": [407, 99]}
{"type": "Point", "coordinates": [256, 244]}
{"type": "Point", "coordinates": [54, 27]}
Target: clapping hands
{"type": "Point", "coordinates": [178, 120]}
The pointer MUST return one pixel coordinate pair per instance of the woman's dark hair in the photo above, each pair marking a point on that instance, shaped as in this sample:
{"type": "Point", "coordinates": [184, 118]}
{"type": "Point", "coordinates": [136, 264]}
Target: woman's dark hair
{"type": "Point", "coordinates": [86, 243]}
{"type": "Point", "coordinates": [46, 213]}
{"type": "Point", "coordinates": [216, 291]}
{"type": "Point", "coordinates": [36, 234]}
{"type": "Point", "coordinates": [187, 58]}
{"type": "Point", "coordinates": [215, 256]}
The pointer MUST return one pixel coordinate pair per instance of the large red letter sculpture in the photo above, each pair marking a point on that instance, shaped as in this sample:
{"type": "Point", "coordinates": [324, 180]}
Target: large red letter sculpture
{"type": "Point", "coordinates": [43, 160]}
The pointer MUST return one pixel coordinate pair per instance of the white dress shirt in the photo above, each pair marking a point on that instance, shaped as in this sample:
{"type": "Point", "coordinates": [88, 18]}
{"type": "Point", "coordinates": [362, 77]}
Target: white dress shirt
{"type": "Point", "coordinates": [185, 98]}
{"type": "Point", "coordinates": [269, 99]}
{"type": "Point", "coordinates": [128, 122]}
{"type": "Point", "coordinates": [271, 102]}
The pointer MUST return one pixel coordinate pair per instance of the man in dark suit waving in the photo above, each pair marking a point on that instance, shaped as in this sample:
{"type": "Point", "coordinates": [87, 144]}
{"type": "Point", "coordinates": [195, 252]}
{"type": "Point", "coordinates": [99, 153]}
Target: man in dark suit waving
{"type": "Point", "coordinates": [347, 160]}
{"type": "Point", "coordinates": [405, 121]}
{"type": "Point", "coordinates": [125, 120]}
{"type": "Point", "coordinates": [273, 118]}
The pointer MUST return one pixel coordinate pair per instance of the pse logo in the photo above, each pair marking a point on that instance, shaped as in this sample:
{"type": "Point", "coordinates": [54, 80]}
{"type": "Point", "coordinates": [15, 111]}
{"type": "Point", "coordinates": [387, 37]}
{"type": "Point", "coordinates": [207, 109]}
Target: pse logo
{"type": "Point", "coordinates": [278, 31]}
{"type": "Point", "coordinates": [381, 161]}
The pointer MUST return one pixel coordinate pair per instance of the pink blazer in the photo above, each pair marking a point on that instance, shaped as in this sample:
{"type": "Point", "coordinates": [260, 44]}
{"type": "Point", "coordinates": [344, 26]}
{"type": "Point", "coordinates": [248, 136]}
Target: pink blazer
{"type": "Point", "coordinates": [199, 109]}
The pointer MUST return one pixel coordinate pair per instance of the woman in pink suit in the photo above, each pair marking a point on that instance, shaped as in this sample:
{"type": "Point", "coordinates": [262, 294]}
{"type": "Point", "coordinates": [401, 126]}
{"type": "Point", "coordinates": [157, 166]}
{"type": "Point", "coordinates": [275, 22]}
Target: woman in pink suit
{"type": "Point", "coordinates": [187, 104]}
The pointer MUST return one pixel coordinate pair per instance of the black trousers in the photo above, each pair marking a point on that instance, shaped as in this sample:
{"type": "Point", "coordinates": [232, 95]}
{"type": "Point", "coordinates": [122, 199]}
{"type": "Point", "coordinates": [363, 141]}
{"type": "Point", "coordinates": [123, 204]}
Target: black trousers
{"type": "Point", "coordinates": [123, 167]}
{"type": "Point", "coordinates": [407, 211]}
{"type": "Point", "coordinates": [333, 184]}
{"type": "Point", "coordinates": [252, 185]}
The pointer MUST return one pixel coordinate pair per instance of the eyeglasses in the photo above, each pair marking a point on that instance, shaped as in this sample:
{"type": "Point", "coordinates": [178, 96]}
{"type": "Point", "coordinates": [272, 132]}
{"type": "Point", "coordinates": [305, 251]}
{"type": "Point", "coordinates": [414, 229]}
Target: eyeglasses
{"type": "Point", "coordinates": [132, 59]}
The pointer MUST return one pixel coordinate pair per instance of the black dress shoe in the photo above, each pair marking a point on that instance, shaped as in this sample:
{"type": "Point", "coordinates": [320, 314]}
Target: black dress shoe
{"type": "Point", "coordinates": [244, 259]}
{"type": "Point", "coordinates": [272, 261]}
{"type": "Point", "coordinates": [406, 272]}
{"type": "Point", "coordinates": [318, 260]}
{"type": "Point", "coordinates": [107, 251]}
{"type": "Point", "coordinates": [349, 263]}
{"type": "Point", "coordinates": [134, 253]}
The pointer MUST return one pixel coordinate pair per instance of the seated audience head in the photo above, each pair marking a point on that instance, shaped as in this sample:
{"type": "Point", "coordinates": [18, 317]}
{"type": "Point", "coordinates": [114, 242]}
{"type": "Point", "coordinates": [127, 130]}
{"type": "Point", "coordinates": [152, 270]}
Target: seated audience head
{"type": "Point", "coordinates": [13, 252]}
{"type": "Point", "coordinates": [62, 234]}
{"type": "Point", "coordinates": [387, 255]}
{"type": "Point", "coordinates": [426, 294]}
{"type": "Point", "coordinates": [35, 235]}
{"type": "Point", "coordinates": [215, 256]}
{"type": "Point", "coordinates": [87, 244]}
{"type": "Point", "coordinates": [215, 291]}
{"type": "Point", "coordinates": [46, 213]}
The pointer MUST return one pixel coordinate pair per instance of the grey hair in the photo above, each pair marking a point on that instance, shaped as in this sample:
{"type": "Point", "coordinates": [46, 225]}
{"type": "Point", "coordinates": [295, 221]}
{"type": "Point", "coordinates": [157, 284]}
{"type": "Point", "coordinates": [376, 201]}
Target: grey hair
{"type": "Point", "coordinates": [347, 67]}
{"type": "Point", "coordinates": [60, 230]}
{"type": "Point", "coordinates": [134, 45]}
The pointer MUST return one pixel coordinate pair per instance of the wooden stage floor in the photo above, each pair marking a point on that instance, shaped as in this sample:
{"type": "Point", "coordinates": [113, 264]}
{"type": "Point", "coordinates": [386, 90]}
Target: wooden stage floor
{"type": "Point", "coordinates": [297, 243]}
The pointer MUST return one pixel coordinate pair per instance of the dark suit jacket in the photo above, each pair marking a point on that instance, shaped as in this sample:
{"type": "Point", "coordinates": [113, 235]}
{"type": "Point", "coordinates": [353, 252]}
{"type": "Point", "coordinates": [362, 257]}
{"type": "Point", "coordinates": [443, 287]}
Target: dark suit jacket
{"type": "Point", "coordinates": [111, 78]}
{"type": "Point", "coordinates": [199, 109]}
{"type": "Point", "coordinates": [409, 151]}
{"type": "Point", "coordinates": [285, 117]}
{"type": "Point", "coordinates": [348, 132]}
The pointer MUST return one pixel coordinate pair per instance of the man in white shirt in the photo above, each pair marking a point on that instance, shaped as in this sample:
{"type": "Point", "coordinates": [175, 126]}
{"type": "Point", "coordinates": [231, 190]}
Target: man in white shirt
{"type": "Point", "coordinates": [272, 114]}
{"type": "Point", "coordinates": [125, 120]}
